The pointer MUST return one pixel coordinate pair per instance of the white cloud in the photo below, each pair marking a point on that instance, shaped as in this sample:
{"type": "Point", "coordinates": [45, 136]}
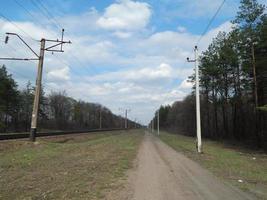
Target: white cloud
{"type": "Point", "coordinates": [180, 44]}
{"type": "Point", "coordinates": [123, 35]}
{"type": "Point", "coordinates": [185, 85]}
{"type": "Point", "coordinates": [162, 73]}
{"type": "Point", "coordinates": [206, 40]}
{"type": "Point", "coordinates": [80, 24]}
{"type": "Point", "coordinates": [173, 45]}
{"type": "Point", "coordinates": [181, 29]}
{"type": "Point", "coordinates": [142, 72]}
{"type": "Point", "coordinates": [125, 15]}
{"type": "Point", "coordinates": [36, 32]}
{"type": "Point", "coordinates": [58, 74]}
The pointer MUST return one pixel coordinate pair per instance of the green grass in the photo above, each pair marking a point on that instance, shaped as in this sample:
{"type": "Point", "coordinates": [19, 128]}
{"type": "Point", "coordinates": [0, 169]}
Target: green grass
{"type": "Point", "coordinates": [229, 163]}
{"type": "Point", "coordinates": [66, 167]}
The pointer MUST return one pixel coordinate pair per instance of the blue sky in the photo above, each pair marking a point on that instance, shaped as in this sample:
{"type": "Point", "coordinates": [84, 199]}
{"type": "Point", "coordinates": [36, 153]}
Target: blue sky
{"type": "Point", "coordinates": [124, 53]}
{"type": "Point", "coordinates": [166, 14]}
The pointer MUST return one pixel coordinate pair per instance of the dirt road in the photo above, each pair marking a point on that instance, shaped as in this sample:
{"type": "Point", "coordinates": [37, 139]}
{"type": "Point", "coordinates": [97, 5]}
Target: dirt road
{"type": "Point", "coordinates": [164, 174]}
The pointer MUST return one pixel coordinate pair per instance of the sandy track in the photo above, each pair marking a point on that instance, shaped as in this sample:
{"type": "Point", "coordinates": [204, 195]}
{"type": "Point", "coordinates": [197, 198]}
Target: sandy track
{"type": "Point", "coordinates": [164, 174]}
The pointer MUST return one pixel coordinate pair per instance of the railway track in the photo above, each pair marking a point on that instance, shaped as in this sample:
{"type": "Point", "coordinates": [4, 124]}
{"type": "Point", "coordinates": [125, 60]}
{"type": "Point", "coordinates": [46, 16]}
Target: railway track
{"type": "Point", "coordinates": [11, 136]}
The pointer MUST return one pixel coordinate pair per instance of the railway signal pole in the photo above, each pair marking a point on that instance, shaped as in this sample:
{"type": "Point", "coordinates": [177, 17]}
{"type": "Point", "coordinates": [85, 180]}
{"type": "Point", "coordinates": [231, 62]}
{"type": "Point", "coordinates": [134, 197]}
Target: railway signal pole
{"type": "Point", "coordinates": [199, 143]}
{"type": "Point", "coordinates": [40, 58]}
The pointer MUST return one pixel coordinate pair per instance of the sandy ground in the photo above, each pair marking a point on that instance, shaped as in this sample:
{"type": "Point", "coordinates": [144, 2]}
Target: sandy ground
{"type": "Point", "coordinates": [161, 173]}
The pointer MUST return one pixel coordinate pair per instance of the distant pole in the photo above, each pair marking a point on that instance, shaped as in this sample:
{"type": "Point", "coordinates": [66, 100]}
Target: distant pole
{"type": "Point", "coordinates": [37, 92]}
{"type": "Point", "coordinates": [125, 125]}
{"type": "Point", "coordinates": [121, 118]}
{"type": "Point", "coordinates": [153, 125]}
{"type": "Point", "coordinates": [199, 143]}
{"type": "Point", "coordinates": [100, 118]}
{"type": "Point", "coordinates": [158, 122]}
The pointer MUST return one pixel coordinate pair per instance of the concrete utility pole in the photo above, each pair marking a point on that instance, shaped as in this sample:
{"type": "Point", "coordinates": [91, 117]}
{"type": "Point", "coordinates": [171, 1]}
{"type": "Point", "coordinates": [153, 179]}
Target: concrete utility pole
{"type": "Point", "coordinates": [40, 58]}
{"type": "Point", "coordinates": [199, 143]}
{"type": "Point", "coordinates": [158, 121]}
{"type": "Point", "coordinates": [37, 92]}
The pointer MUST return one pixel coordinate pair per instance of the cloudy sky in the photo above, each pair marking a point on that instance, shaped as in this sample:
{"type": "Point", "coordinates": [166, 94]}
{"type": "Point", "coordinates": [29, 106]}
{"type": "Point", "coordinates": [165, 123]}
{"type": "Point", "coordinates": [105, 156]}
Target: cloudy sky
{"type": "Point", "coordinates": [124, 53]}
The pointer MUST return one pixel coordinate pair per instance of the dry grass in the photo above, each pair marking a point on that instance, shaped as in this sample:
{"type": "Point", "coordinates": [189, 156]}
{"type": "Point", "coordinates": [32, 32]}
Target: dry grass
{"type": "Point", "coordinates": [230, 163]}
{"type": "Point", "coordinates": [66, 167]}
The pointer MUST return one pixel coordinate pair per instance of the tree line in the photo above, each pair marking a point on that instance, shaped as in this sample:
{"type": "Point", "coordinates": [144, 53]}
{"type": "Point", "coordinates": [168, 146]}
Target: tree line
{"type": "Point", "coordinates": [233, 84]}
{"type": "Point", "coordinates": [57, 110]}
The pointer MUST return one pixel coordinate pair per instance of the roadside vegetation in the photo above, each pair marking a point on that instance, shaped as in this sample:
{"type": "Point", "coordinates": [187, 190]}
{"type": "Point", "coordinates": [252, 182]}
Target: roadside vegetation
{"type": "Point", "coordinates": [85, 166]}
{"type": "Point", "coordinates": [57, 111]}
{"type": "Point", "coordinates": [233, 84]}
{"type": "Point", "coordinates": [235, 165]}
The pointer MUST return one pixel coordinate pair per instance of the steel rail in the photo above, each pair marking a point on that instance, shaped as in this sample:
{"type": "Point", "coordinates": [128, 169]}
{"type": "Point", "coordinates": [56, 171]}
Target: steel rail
{"type": "Point", "coordinates": [10, 136]}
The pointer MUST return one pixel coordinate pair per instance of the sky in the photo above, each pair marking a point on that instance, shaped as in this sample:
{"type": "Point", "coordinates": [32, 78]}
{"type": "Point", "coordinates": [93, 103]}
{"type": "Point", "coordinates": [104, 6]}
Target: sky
{"type": "Point", "coordinates": [124, 53]}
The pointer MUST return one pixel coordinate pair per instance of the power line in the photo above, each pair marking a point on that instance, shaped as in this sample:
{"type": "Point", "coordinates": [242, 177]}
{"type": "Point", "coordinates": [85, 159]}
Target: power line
{"type": "Point", "coordinates": [47, 16]}
{"type": "Point", "coordinates": [29, 13]}
{"type": "Point", "coordinates": [198, 117]}
{"type": "Point", "coordinates": [45, 12]}
{"type": "Point", "coordinates": [23, 75]}
{"type": "Point", "coordinates": [57, 24]}
{"type": "Point", "coordinates": [18, 73]}
{"type": "Point", "coordinates": [40, 57]}
{"type": "Point", "coordinates": [36, 5]}
{"type": "Point", "coordinates": [48, 12]}
{"type": "Point", "coordinates": [26, 10]}
{"type": "Point", "coordinates": [7, 19]}
{"type": "Point", "coordinates": [210, 22]}
{"type": "Point", "coordinates": [66, 64]}
{"type": "Point", "coordinates": [15, 72]}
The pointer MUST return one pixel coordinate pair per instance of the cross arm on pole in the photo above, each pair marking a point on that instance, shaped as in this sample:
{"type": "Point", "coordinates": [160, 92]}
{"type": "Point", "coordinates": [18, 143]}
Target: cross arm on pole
{"type": "Point", "coordinates": [192, 60]}
{"type": "Point", "coordinates": [188, 60]}
{"type": "Point", "coordinates": [19, 58]}
{"type": "Point", "coordinates": [8, 33]}
{"type": "Point", "coordinates": [58, 44]}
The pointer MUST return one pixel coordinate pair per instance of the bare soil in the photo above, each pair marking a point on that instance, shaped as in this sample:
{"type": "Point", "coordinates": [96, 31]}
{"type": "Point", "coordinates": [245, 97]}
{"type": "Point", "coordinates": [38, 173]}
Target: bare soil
{"type": "Point", "coordinates": [161, 173]}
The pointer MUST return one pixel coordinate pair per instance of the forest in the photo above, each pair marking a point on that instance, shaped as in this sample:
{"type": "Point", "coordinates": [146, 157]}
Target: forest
{"type": "Point", "coordinates": [233, 84]}
{"type": "Point", "coordinates": [57, 110]}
